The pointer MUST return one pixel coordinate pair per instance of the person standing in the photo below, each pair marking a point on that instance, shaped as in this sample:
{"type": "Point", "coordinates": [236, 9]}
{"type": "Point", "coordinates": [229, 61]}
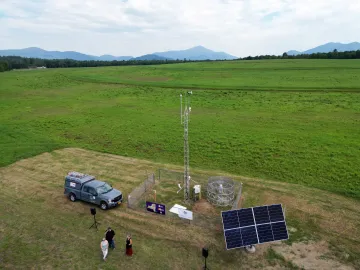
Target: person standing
{"type": "Point", "coordinates": [129, 250]}
{"type": "Point", "coordinates": [104, 245]}
{"type": "Point", "coordinates": [109, 235]}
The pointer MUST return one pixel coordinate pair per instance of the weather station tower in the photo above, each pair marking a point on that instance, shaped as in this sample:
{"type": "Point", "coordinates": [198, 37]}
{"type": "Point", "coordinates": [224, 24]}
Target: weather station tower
{"type": "Point", "coordinates": [185, 118]}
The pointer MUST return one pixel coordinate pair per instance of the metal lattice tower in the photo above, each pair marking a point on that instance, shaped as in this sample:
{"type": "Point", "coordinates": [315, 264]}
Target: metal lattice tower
{"type": "Point", "coordinates": [185, 118]}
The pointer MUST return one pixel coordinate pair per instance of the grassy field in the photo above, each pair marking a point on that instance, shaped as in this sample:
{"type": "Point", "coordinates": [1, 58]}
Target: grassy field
{"type": "Point", "coordinates": [41, 229]}
{"type": "Point", "coordinates": [302, 128]}
{"type": "Point", "coordinates": [305, 75]}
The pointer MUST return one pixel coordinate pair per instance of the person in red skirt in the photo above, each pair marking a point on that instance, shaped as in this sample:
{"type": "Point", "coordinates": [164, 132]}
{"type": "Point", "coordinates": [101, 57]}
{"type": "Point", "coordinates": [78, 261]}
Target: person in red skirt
{"type": "Point", "coordinates": [129, 250]}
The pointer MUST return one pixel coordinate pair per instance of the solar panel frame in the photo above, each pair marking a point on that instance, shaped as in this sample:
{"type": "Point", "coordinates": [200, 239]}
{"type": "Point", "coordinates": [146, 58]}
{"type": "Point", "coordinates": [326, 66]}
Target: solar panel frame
{"type": "Point", "coordinates": [275, 216]}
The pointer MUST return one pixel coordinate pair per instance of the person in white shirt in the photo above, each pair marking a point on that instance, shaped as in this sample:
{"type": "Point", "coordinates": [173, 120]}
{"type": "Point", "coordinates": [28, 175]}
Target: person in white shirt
{"type": "Point", "coordinates": [104, 245]}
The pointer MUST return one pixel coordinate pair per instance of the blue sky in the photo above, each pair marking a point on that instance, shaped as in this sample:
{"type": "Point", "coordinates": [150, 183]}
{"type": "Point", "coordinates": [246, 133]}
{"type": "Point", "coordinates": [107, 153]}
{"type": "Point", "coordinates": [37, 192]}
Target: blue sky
{"type": "Point", "coordinates": [136, 27]}
{"type": "Point", "coordinates": [271, 16]}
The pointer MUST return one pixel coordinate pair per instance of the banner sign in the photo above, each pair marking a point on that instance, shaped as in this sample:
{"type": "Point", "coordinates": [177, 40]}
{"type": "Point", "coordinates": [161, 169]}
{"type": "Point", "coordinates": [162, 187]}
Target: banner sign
{"type": "Point", "coordinates": [155, 208]}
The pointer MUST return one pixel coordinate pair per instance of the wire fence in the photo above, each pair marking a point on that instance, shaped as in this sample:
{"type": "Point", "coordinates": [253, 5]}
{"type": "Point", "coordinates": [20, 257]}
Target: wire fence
{"type": "Point", "coordinates": [238, 201]}
{"type": "Point", "coordinates": [135, 196]}
{"type": "Point", "coordinates": [203, 180]}
{"type": "Point", "coordinates": [168, 190]}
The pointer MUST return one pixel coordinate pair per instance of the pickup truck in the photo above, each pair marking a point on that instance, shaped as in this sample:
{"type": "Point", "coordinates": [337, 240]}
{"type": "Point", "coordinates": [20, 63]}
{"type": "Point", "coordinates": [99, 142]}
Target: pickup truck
{"type": "Point", "coordinates": [79, 186]}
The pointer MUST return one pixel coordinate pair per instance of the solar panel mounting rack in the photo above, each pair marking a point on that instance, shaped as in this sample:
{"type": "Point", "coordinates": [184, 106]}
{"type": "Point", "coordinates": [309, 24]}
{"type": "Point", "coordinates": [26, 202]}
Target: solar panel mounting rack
{"type": "Point", "coordinates": [255, 225]}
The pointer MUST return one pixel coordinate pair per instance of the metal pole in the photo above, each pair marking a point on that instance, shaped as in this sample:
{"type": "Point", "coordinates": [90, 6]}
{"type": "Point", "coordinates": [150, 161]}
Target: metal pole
{"type": "Point", "coordinates": [185, 121]}
{"type": "Point", "coordinates": [181, 114]}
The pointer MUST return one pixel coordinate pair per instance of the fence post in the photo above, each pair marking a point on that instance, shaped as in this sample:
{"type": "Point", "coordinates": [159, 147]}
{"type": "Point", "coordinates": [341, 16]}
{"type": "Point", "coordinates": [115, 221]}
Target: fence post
{"type": "Point", "coordinates": [237, 199]}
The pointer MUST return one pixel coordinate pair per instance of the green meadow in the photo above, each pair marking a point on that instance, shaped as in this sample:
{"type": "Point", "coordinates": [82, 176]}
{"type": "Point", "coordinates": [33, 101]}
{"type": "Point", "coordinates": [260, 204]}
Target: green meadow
{"type": "Point", "coordinates": [294, 121]}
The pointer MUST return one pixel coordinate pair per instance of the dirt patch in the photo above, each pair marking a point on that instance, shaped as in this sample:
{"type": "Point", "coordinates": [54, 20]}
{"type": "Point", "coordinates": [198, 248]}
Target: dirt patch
{"type": "Point", "coordinates": [310, 256]}
{"type": "Point", "coordinates": [204, 207]}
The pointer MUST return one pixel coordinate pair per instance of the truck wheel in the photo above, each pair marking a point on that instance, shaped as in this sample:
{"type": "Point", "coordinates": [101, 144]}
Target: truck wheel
{"type": "Point", "coordinates": [72, 197]}
{"type": "Point", "coordinates": [103, 205]}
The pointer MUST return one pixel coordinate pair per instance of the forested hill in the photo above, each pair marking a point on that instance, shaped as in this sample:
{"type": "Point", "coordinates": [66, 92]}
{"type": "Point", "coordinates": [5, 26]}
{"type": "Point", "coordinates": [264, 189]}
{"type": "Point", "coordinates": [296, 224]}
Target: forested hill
{"type": "Point", "coordinates": [17, 62]}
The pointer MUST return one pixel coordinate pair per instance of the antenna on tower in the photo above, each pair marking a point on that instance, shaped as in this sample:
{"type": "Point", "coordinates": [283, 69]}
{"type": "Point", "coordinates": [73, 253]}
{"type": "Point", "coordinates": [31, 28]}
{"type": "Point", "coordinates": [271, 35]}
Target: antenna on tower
{"type": "Point", "coordinates": [185, 118]}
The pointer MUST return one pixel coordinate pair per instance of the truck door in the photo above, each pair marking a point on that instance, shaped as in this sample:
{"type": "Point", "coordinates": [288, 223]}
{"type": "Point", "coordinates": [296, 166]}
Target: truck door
{"type": "Point", "coordinates": [86, 194]}
{"type": "Point", "coordinates": [93, 195]}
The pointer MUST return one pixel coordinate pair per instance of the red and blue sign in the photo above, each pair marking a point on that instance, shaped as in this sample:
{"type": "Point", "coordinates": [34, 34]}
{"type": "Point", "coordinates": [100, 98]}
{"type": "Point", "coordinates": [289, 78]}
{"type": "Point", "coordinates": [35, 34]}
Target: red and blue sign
{"type": "Point", "coordinates": [155, 208]}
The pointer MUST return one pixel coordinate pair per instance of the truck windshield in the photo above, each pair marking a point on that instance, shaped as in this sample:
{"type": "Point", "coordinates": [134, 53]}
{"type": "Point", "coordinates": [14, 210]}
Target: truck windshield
{"type": "Point", "coordinates": [104, 188]}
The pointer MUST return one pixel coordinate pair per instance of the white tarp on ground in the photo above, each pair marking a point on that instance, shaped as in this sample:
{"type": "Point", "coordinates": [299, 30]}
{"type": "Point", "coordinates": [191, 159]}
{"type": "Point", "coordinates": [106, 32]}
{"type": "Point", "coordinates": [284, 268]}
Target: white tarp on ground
{"type": "Point", "coordinates": [175, 208]}
{"type": "Point", "coordinates": [185, 214]}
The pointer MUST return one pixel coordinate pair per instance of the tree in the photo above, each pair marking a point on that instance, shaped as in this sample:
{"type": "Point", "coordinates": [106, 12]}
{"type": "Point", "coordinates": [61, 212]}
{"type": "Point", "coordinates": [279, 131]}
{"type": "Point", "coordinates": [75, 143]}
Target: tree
{"type": "Point", "coordinates": [4, 66]}
{"type": "Point", "coordinates": [358, 54]}
{"type": "Point", "coordinates": [285, 55]}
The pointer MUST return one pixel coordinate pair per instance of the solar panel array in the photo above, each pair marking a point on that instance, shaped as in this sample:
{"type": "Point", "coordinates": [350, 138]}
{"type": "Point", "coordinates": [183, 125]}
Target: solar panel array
{"type": "Point", "coordinates": [255, 225]}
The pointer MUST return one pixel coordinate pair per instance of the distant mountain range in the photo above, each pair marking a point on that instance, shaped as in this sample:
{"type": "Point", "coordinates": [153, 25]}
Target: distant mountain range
{"type": "Point", "coordinates": [195, 53]}
{"type": "Point", "coordinates": [329, 47]}
{"type": "Point", "coordinates": [34, 52]}
{"type": "Point", "coordinates": [151, 57]}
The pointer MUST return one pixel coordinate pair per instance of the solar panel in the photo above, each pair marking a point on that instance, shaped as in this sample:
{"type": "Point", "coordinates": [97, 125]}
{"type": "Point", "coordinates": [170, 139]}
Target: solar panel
{"type": "Point", "coordinates": [233, 238]}
{"type": "Point", "coordinates": [249, 235]}
{"type": "Point", "coordinates": [246, 217]}
{"type": "Point", "coordinates": [230, 220]}
{"type": "Point", "coordinates": [279, 231]}
{"type": "Point", "coordinates": [276, 213]}
{"type": "Point", "coordinates": [255, 225]}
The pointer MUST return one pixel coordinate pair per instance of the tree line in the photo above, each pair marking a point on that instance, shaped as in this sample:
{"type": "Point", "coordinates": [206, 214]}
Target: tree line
{"type": "Point", "coordinates": [330, 55]}
{"type": "Point", "coordinates": [17, 62]}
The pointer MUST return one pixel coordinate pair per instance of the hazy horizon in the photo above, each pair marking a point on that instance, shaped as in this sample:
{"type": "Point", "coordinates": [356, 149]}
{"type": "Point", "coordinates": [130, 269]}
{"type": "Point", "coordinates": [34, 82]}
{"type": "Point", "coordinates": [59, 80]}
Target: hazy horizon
{"type": "Point", "coordinates": [138, 27]}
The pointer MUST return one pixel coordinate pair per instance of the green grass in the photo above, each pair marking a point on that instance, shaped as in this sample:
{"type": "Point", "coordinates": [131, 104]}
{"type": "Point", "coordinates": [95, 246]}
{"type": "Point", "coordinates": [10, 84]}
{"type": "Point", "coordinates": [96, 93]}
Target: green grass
{"type": "Point", "coordinates": [339, 75]}
{"type": "Point", "coordinates": [273, 258]}
{"type": "Point", "coordinates": [52, 232]}
{"type": "Point", "coordinates": [297, 136]}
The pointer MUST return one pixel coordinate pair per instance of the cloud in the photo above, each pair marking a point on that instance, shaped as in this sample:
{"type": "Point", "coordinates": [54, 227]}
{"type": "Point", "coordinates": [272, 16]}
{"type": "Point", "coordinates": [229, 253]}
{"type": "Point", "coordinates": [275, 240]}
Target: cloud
{"type": "Point", "coordinates": [135, 27]}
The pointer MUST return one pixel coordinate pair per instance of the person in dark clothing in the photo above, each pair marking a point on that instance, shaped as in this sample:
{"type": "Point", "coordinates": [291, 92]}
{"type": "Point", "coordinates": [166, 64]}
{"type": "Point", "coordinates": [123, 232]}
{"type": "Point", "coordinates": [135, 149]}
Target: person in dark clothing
{"type": "Point", "coordinates": [109, 236]}
{"type": "Point", "coordinates": [129, 250]}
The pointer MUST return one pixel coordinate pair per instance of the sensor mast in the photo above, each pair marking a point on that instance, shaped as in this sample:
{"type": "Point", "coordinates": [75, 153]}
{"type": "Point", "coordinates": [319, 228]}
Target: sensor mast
{"type": "Point", "coordinates": [185, 118]}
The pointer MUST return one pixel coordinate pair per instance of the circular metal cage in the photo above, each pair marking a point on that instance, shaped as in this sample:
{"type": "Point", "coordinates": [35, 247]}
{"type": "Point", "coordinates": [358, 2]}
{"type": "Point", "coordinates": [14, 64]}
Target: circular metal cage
{"type": "Point", "coordinates": [220, 190]}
